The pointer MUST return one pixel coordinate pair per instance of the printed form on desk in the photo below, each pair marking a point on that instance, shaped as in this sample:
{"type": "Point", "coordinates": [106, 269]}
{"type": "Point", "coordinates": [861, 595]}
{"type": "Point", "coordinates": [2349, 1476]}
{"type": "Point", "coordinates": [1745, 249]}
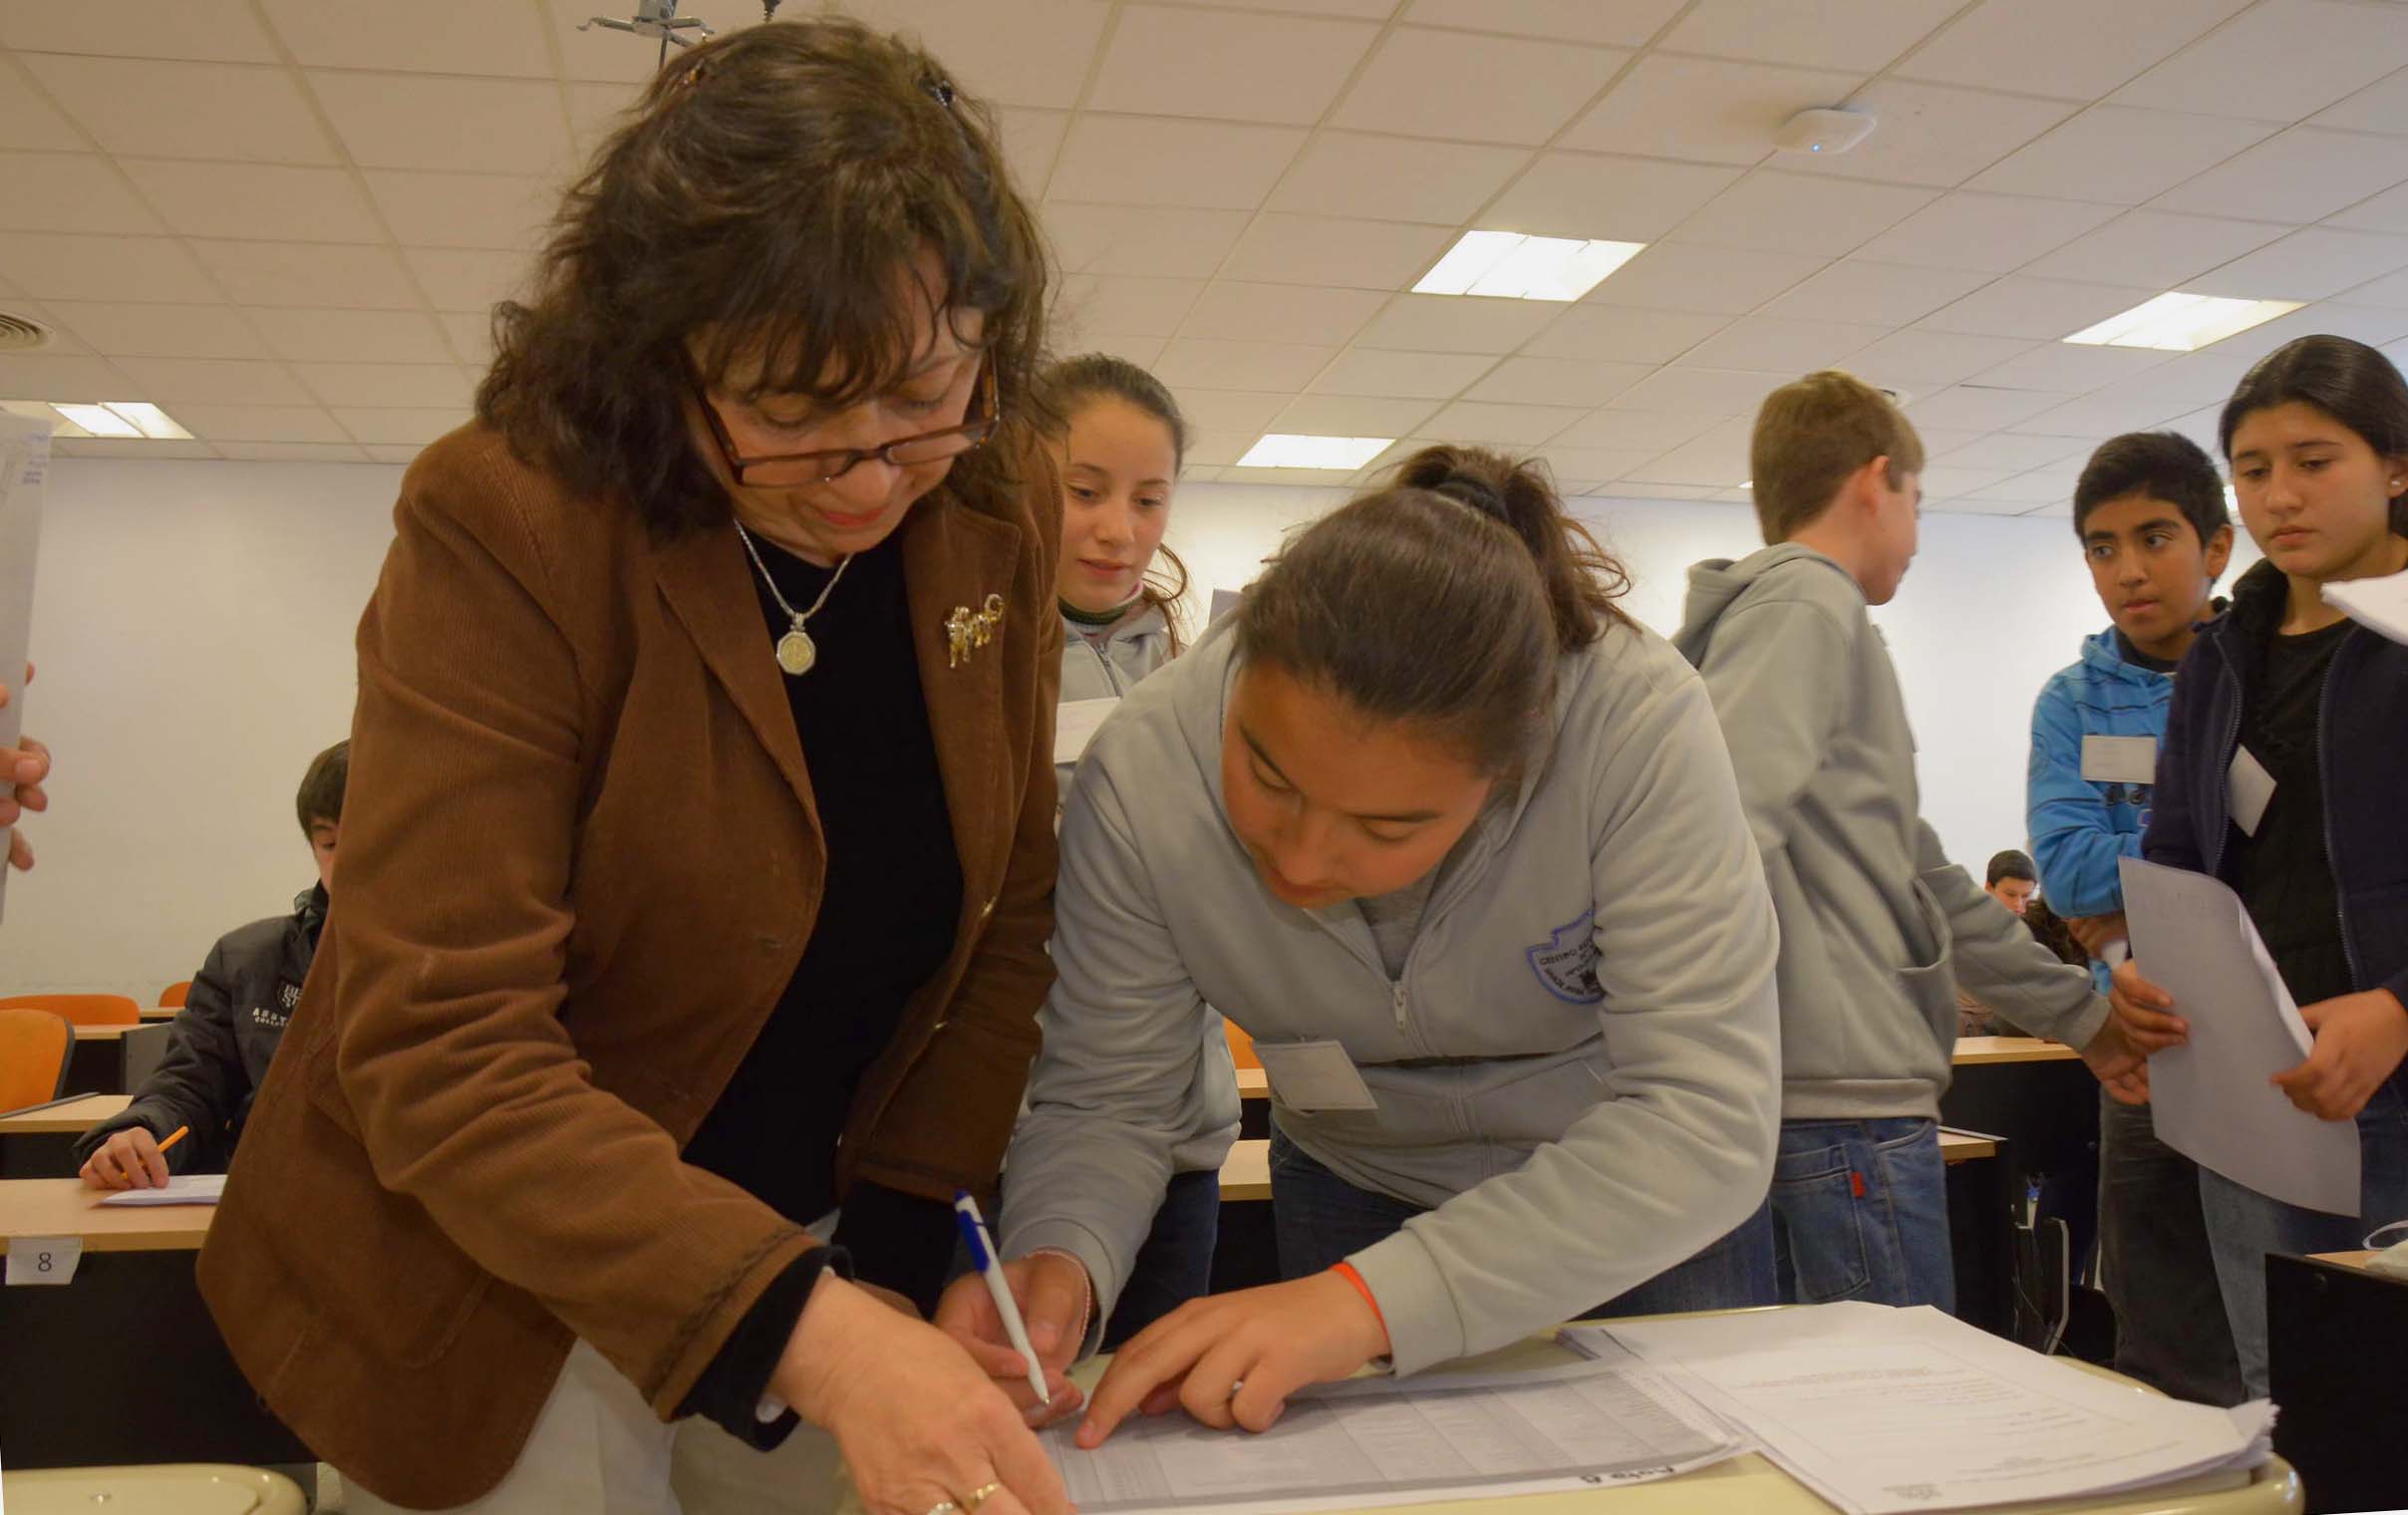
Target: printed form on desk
{"type": "Point", "coordinates": [182, 1189]}
{"type": "Point", "coordinates": [1369, 1442]}
{"type": "Point", "coordinates": [1880, 1410]}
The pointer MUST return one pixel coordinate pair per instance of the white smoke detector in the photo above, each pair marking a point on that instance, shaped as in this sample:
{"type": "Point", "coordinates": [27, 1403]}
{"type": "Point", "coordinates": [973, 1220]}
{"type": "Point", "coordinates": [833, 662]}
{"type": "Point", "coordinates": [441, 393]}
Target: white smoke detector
{"type": "Point", "coordinates": [1823, 132]}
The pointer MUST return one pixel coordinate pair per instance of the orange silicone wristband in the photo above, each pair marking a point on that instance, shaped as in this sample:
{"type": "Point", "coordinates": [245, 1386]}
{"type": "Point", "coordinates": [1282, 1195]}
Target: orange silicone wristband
{"type": "Point", "coordinates": [1347, 1270]}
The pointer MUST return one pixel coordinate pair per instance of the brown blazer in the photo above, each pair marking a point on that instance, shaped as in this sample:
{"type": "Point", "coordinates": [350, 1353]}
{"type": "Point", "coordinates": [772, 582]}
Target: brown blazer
{"type": "Point", "coordinates": [580, 863]}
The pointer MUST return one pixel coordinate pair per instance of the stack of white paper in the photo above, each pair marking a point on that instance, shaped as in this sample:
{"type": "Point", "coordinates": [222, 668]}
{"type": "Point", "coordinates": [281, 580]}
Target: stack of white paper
{"type": "Point", "coordinates": [2381, 605]}
{"type": "Point", "coordinates": [182, 1189]}
{"type": "Point", "coordinates": [1392, 1441]}
{"type": "Point", "coordinates": [1074, 723]}
{"type": "Point", "coordinates": [1880, 1410]}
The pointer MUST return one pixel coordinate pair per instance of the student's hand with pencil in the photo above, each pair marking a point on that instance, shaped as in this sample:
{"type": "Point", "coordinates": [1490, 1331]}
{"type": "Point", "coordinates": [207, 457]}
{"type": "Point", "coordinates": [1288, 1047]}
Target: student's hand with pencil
{"type": "Point", "coordinates": [1055, 1298]}
{"type": "Point", "coordinates": [130, 1159]}
{"type": "Point", "coordinates": [2143, 1011]}
{"type": "Point", "coordinates": [1232, 1360]}
{"type": "Point", "coordinates": [2360, 1039]}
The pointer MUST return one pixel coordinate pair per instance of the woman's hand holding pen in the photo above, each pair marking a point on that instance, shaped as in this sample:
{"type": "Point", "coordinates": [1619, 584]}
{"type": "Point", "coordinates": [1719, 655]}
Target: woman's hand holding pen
{"type": "Point", "coordinates": [1055, 1298]}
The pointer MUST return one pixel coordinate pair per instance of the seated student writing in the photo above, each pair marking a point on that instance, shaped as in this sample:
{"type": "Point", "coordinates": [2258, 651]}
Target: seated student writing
{"type": "Point", "coordinates": [1457, 842]}
{"type": "Point", "coordinates": [2285, 689]}
{"type": "Point", "coordinates": [233, 1018]}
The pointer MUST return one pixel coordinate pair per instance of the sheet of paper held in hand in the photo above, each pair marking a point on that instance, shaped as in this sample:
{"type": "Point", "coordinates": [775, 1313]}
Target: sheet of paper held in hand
{"type": "Point", "coordinates": [2213, 1102]}
{"type": "Point", "coordinates": [1369, 1443]}
{"type": "Point", "coordinates": [1880, 1410]}
{"type": "Point", "coordinates": [2381, 605]}
{"type": "Point", "coordinates": [24, 460]}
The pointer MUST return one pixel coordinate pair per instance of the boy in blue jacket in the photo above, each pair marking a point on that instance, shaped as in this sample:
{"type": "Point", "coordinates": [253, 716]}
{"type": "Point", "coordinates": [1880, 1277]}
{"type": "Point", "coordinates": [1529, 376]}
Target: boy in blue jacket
{"type": "Point", "coordinates": [2149, 511]}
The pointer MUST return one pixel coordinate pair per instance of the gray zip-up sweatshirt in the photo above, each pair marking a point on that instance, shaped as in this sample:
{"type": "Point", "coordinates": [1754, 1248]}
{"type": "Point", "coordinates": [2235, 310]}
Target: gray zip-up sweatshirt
{"type": "Point", "coordinates": [1576, 1067]}
{"type": "Point", "coordinates": [1877, 924]}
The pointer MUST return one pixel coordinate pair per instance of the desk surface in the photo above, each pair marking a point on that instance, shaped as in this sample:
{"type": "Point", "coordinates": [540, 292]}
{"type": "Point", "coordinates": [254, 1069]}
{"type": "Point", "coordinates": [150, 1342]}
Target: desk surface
{"type": "Point", "coordinates": [161, 1012]}
{"type": "Point", "coordinates": [63, 1207]}
{"type": "Point", "coordinates": [1974, 1050]}
{"type": "Point", "coordinates": [2342, 1259]}
{"type": "Point", "coordinates": [71, 1117]}
{"type": "Point", "coordinates": [86, 1034]}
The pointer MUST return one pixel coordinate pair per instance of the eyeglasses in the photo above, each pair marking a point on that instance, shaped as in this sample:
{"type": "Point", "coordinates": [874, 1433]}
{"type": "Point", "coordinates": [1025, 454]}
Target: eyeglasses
{"type": "Point", "coordinates": [819, 467]}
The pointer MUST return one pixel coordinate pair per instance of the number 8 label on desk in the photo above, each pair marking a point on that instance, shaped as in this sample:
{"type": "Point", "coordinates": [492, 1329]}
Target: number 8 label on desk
{"type": "Point", "coordinates": [43, 1259]}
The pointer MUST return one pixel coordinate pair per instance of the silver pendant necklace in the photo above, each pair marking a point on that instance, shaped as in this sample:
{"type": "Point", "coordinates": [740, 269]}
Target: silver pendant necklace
{"type": "Point", "coordinates": [797, 654]}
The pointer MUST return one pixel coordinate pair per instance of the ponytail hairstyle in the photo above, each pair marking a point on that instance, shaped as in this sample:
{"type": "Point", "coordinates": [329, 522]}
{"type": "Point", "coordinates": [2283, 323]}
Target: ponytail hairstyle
{"type": "Point", "coordinates": [1442, 600]}
{"type": "Point", "coordinates": [1069, 386]}
{"type": "Point", "coordinates": [2352, 383]}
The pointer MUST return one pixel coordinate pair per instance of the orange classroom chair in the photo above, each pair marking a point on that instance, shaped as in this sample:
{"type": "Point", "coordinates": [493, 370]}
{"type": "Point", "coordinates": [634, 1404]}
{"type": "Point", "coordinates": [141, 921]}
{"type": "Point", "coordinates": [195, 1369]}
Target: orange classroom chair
{"type": "Point", "coordinates": [35, 1047]}
{"type": "Point", "coordinates": [174, 994]}
{"type": "Point", "coordinates": [1241, 1046]}
{"type": "Point", "coordinates": [82, 1009]}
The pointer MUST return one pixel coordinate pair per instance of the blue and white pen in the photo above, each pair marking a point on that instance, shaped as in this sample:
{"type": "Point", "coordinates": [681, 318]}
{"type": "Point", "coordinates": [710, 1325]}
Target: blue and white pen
{"type": "Point", "coordinates": [990, 1267]}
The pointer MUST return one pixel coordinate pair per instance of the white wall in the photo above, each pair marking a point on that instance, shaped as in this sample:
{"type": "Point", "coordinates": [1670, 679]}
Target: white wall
{"type": "Point", "coordinates": [194, 622]}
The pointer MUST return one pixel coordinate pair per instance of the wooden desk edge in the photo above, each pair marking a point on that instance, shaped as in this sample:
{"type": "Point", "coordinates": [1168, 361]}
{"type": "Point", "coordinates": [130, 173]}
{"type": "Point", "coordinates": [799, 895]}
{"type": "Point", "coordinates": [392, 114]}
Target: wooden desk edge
{"type": "Point", "coordinates": [52, 1207]}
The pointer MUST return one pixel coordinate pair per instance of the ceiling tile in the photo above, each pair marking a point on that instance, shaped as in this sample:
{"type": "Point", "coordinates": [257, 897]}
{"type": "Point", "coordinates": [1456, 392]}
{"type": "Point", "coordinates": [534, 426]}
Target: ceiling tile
{"type": "Point", "coordinates": [1220, 410]}
{"type": "Point", "coordinates": [1012, 51]}
{"type": "Point", "coordinates": [1650, 431]}
{"type": "Point", "coordinates": [2122, 155]}
{"type": "Point", "coordinates": [395, 426]}
{"type": "Point", "coordinates": [259, 423]}
{"type": "Point", "coordinates": [1978, 408]}
{"type": "Point", "coordinates": [1719, 457]}
{"type": "Point", "coordinates": [1205, 448]}
{"type": "Point", "coordinates": [291, 451]}
{"type": "Point", "coordinates": [1399, 375]}
{"type": "Point", "coordinates": [423, 385]}
{"type": "Point", "coordinates": [2387, 211]}
{"type": "Point", "coordinates": [1992, 234]}
{"type": "Point", "coordinates": [271, 202]}
{"type": "Point", "coordinates": [163, 109]}
{"type": "Point", "coordinates": [1800, 213]}
{"type": "Point", "coordinates": [27, 121]}
{"type": "Point", "coordinates": [390, 454]}
{"type": "Point", "coordinates": [1154, 160]}
{"type": "Point", "coordinates": [2375, 328]}
{"type": "Point", "coordinates": [595, 111]}
{"type": "Point", "coordinates": [420, 121]}
{"type": "Point", "coordinates": [1032, 142]}
{"type": "Point", "coordinates": [215, 380]}
{"type": "Point", "coordinates": [1315, 249]}
{"type": "Point", "coordinates": [1507, 425]}
{"type": "Point", "coordinates": [352, 336]}
{"type": "Point", "coordinates": [1621, 199]}
{"type": "Point", "coordinates": [1617, 23]}
{"type": "Point", "coordinates": [1282, 313]}
{"type": "Point", "coordinates": [2380, 107]}
{"type": "Point", "coordinates": [1390, 179]}
{"type": "Point", "coordinates": [1594, 462]}
{"type": "Point", "coordinates": [1862, 35]}
{"type": "Point", "coordinates": [2278, 61]}
{"type": "Point", "coordinates": [53, 376]}
{"type": "Point", "coordinates": [1917, 360]}
{"type": "Point", "coordinates": [1703, 109]}
{"type": "Point", "coordinates": [2154, 248]}
{"type": "Point", "coordinates": [1214, 365]}
{"type": "Point", "coordinates": [1457, 324]}
{"type": "Point", "coordinates": [2095, 417]}
{"type": "Point", "coordinates": [144, 451]}
{"type": "Point", "coordinates": [1556, 381]}
{"type": "Point", "coordinates": [2037, 310]}
{"type": "Point", "coordinates": [463, 279]}
{"type": "Point", "coordinates": [2064, 369]}
{"type": "Point", "coordinates": [1939, 134]}
{"type": "Point", "coordinates": [471, 334]}
{"type": "Point", "coordinates": [1886, 294]}
{"type": "Point", "coordinates": [2390, 292]}
{"type": "Point", "coordinates": [2306, 265]}
{"type": "Point", "coordinates": [63, 267]}
{"type": "Point", "coordinates": [1105, 305]}
{"type": "Point", "coordinates": [1709, 280]}
{"type": "Point", "coordinates": [1778, 345]}
{"type": "Point", "coordinates": [1428, 83]}
{"type": "Point", "coordinates": [1145, 352]}
{"type": "Point", "coordinates": [1135, 239]}
{"type": "Point", "coordinates": [463, 209]}
{"type": "Point", "coordinates": [69, 191]}
{"type": "Point", "coordinates": [1940, 484]}
{"type": "Point", "coordinates": [2023, 44]}
{"type": "Point", "coordinates": [1701, 390]}
{"type": "Point", "coordinates": [2021, 490]}
{"type": "Point", "coordinates": [2303, 174]}
{"type": "Point", "coordinates": [298, 273]}
{"type": "Point", "coordinates": [373, 34]}
{"type": "Point", "coordinates": [162, 330]}
{"type": "Point", "coordinates": [2009, 452]}
{"type": "Point", "coordinates": [224, 30]}
{"type": "Point", "coordinates": [1359, 10]}
{"type": "Point", "coordinates": [1352, 414]}
{"type": "Point", "coordinates": [1227, 65]}
{"type": "Point", "coordinates": [1611, 334]}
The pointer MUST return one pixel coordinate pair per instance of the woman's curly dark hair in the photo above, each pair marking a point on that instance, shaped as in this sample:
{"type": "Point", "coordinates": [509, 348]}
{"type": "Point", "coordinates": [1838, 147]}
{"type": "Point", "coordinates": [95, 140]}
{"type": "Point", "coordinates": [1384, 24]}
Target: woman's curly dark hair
{"type": "Point", "coordinates": [763, 207]}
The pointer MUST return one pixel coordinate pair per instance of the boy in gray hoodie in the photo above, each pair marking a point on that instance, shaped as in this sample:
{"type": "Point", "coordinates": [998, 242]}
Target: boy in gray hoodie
{"type": "Point", "coordinates": [1877, 924]}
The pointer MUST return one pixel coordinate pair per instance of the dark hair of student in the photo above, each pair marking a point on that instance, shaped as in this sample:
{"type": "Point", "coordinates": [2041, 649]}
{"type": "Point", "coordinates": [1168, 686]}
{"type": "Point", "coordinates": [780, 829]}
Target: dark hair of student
{"type": "Point", "coordinates": [2352, 383]}
{"type": "Point", "coordinates": [321, 794]}
{"type": "Point", "coordinates": [765, 199]}
{"type": "Point", "coordinates": [2012, 864]}
{"type": "Point", "coordinates": [1442, 600]}
{"type": "Point", "coordinates": [2164, 465]}
{"type": "Point", "coordinates": [1070, 386]}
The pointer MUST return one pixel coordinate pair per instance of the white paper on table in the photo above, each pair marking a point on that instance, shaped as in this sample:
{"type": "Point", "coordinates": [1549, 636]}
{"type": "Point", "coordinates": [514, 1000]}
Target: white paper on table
{"type": "Point", "coordinates": [1074, 723]}
{"type": "Point", "coordinates": [24, 463]}
{"type": "Point", "coordinates": [182, 1189]}
{"type": "Point", "coordinates": [2211, 1099]}
{"type": "Point", "coordinates": [1881, 1410]}
{"type": "Point", "coordinates": [2379, 605]}
{"type": "Point", "coordinates": [1370, 1442]}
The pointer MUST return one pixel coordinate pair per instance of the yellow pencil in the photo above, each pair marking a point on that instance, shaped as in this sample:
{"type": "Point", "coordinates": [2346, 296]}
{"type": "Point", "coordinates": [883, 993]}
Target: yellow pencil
{"type": "Point", "coordinates": [179, 1134]}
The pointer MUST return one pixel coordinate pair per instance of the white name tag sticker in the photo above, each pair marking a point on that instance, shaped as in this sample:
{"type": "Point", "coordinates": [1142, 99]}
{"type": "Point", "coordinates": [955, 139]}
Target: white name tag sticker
{"type": "Point", "coordinates": [1310, 1076]}
{"type": "Point", "coordinates": [43, 1259]}
{"type": "Point", "coordinates": [2119, 760]}
{"type": "Point", "coordinates": [2250, 788]}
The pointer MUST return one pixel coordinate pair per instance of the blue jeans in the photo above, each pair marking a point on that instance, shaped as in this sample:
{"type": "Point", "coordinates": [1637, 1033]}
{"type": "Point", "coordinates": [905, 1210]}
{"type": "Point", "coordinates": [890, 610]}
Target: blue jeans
{"type": "Point", "coordinates": [2244, 1225]}
{"type": "Point", "coordinates": [1176, 1264]}
{"type": "Point", "coordinates": [1322, 1219]}
{"type": "Point", "coordinates": [1859, 1211]}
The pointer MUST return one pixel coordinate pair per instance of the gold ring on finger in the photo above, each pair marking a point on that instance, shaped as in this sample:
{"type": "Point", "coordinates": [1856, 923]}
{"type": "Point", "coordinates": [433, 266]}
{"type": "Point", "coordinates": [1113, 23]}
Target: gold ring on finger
{"type": "Point", "coordinates": [980, 1495]}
